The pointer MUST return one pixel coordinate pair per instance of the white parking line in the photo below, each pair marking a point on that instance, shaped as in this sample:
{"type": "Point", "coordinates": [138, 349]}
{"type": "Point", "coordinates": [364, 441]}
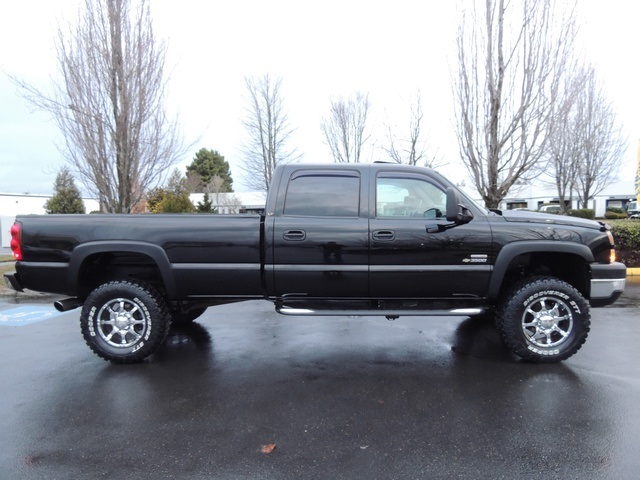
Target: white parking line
{"type": "Point", "coordinates": [20, 316]}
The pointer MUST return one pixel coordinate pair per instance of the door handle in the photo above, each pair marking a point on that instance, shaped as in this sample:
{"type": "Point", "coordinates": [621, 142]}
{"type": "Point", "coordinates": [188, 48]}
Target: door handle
{"type": "Point", "coordinates": [294, 235]}
{"type": "Point", "coordinates": [384, 235]}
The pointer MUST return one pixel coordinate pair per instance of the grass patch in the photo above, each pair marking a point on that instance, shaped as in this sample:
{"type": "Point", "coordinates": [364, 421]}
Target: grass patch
{"type": "Point", "coordinates": [5, 269]}
{"type": "Point", "coordinates": [9, 267]}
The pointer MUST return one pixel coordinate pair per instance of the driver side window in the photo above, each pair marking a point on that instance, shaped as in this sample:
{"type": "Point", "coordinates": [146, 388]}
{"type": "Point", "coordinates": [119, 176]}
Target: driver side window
{"type": "Point", "coordinates": [398, 197]}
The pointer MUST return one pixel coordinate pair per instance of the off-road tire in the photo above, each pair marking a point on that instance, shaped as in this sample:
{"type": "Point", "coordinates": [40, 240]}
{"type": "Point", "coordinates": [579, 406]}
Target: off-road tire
{"type": "Point", "coordinates": [124, 322]}
{"type": "Point", "coordinates": [543, 319]}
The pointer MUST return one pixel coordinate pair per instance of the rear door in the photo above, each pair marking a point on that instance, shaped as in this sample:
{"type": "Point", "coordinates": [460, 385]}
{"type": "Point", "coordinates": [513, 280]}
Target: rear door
{"type": "Point", "coordinates": [320, 239]}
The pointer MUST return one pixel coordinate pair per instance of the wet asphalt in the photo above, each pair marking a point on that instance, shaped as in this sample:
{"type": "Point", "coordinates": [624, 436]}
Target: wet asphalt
{"type": "Point", "coordinates": [339, 397]}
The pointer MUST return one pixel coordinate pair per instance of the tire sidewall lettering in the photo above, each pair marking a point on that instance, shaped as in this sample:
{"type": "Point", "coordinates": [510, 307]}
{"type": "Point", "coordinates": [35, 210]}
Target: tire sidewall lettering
{"type": "Point", "coordinates": [92, 330]}
{"type": "Point", "coordinates": [148, 322]}
{"type": "Point", "coordinates": [552, 293]}
{"type": "Point", "coordinates": [555, 351]}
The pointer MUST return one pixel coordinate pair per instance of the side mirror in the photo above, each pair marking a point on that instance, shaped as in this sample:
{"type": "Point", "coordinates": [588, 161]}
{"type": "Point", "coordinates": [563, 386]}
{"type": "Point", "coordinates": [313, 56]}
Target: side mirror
{"type": "Point", "coordinates": [456, 211]}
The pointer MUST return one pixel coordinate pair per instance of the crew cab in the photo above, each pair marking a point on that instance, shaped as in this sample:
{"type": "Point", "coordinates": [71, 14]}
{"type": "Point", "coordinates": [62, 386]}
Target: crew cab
{"type": "Point", "coordinates": [334, 239]}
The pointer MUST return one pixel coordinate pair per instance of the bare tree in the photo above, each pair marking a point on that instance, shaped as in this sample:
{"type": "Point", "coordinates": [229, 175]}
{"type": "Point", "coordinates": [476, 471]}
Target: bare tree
{"type": "Point", "coordinates": [232, 202]}
{"type": "Point", "coordinates": [109, 102]}
{"type": "Point", "coordinates": [510, 57]}
{"type": "Point", "coordinates": [600, 139]}
{"type": "Point", "coordinates": [216, 186]}
{"type": "Point", "coordinates": [563, 146]}
{"type": "Point", "coordinates": [193, 182]}
{"type": "Point", "coordinates": [268, 128]}
{"type": "Point", "coordinates": [410, 149]}
{"type": "Point", "coordinates": [345, 130]}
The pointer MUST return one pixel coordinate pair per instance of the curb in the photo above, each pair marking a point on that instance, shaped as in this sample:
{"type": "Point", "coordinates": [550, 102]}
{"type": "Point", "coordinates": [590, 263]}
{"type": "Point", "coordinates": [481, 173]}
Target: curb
{"type": "Point", "coordinates": [6, 292]}
{"type": "Point", "coordinates": [632, 272]}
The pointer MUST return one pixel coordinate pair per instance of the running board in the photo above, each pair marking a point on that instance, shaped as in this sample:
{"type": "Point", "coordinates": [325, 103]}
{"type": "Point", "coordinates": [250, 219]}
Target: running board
{"type": "Point", "coordinates": [393, 313]}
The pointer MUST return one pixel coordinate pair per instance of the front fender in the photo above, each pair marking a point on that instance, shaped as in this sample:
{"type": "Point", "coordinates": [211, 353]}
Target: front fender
{"type": "Point", "coordinates": [513, 250]}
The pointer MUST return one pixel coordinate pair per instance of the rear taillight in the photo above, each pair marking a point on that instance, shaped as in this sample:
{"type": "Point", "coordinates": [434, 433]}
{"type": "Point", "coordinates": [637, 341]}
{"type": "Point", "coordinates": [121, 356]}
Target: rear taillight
{"type": "Point", "coordinates": [16, 248]}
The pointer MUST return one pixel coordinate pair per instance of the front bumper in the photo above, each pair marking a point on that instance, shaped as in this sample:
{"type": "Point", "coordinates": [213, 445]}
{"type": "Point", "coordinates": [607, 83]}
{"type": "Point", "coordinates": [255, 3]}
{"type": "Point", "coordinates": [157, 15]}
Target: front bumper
{"type": "Point", "coordinates": [607, 283]}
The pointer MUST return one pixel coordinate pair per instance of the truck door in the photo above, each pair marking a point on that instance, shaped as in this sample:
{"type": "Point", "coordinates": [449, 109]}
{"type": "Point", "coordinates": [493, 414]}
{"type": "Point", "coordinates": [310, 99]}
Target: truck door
{"type": "Point", "coordinates": [413, 254]}
{"type": "Point", "coordinates": [320, 241]}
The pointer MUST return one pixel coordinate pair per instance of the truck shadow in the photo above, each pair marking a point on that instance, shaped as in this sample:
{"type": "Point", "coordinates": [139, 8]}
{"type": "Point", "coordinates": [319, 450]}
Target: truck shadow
{"type": "Point", "coordinates": [186, 341]}
{"type": "Point", "coordinates": [479, 338]}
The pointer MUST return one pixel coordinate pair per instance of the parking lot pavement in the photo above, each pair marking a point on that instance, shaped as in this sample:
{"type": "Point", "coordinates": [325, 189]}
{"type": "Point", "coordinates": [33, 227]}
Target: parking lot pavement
{"type": "Point", "coordinates": [339, 397]}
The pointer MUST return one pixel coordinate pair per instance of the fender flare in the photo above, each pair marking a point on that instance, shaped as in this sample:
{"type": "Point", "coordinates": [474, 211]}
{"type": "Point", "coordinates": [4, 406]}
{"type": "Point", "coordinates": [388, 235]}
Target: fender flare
{"type": "Point", "coordinates": [155, 252]}
{"type": "Point", "coordinates": [512, 250]}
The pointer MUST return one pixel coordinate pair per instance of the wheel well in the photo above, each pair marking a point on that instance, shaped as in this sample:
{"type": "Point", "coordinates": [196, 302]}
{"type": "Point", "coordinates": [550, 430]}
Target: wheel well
{"type": "Point", "coordinates": [567, 267]}
{"type": "Point", "coordinates": [103, 267]}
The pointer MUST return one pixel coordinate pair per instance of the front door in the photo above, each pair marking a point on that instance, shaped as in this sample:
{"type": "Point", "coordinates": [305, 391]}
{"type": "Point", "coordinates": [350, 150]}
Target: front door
{"type": "Point", "coordinates": [414, 252]}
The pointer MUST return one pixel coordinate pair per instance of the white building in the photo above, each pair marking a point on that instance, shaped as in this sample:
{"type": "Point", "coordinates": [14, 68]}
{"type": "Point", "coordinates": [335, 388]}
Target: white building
{"type": "Point", "coordinates": [532, 197]}
{"type": "Point", "coordinates": [12, 204]}
{"type": "Point", "coordinates": [233, 202]}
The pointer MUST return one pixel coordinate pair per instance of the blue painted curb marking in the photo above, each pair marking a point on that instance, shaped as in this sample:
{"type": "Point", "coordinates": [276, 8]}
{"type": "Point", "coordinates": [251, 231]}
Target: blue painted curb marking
{"type": "Point", "coordinates": [20, 316]}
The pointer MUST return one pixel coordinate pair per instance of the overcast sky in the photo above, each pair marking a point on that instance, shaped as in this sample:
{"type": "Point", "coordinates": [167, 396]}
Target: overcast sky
{"type": "Point", "coordinates": [320, 49]}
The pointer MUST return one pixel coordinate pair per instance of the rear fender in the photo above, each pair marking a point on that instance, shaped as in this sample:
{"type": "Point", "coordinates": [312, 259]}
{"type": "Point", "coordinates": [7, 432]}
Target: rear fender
{"type": "Point", "coordinates": [155, 252]}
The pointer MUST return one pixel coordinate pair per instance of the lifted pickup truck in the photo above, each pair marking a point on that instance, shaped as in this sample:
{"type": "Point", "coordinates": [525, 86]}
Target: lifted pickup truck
{"type": "Point", "coordinates": [354, 239]}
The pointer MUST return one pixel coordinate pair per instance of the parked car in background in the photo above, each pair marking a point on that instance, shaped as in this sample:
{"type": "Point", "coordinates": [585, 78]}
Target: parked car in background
{"type": "Point", "coordinates": [550, 208]}
{"type": "Point", "coordinates": [632, 210]}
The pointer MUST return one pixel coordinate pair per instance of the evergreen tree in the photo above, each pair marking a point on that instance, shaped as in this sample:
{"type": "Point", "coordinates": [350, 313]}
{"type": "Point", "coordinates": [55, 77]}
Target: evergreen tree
{"type": "Point", "coordinates": [206, 206]}
{"type": "Point", "coordinates": [208, 164]}
{"type": "Point", "coordinates": [66, 196]}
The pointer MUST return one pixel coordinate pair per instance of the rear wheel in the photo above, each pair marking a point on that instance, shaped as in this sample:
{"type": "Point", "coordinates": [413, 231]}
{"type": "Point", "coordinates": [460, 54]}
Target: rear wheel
{"type": "Point", "coordinates": [543, 319]}
{"type": "Point", "coordinates": [124, 322]}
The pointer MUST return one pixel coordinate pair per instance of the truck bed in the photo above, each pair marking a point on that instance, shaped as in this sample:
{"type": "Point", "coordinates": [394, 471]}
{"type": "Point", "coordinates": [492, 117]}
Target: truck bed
{"type": "Point", "coordinates": [198, 250]}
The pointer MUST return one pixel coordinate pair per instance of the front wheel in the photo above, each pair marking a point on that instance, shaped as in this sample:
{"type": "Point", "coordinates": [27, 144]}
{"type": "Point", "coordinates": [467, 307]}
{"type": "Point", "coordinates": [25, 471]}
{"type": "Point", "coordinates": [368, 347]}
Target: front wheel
{"type": "Point", "coordinates": [543, 319]}
{"type": "Point", "coordinates": [124, 322]}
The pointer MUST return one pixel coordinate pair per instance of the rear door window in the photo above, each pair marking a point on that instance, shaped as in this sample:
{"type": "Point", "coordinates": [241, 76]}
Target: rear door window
{"type": "Point", "coordinates": [323, 195]}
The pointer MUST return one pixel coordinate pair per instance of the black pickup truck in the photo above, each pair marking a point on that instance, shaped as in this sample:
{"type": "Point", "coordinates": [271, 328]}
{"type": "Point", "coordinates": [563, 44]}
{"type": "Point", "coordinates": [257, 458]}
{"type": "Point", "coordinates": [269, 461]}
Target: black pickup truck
{"type": "Point", "coordinates": [349, 239]}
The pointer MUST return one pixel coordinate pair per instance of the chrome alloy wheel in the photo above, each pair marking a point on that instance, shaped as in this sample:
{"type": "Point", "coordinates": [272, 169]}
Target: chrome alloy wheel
{"type": "Point", "coordinates": [122, 322]}
{"type": "Point", "coordinates": [547, 322]}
